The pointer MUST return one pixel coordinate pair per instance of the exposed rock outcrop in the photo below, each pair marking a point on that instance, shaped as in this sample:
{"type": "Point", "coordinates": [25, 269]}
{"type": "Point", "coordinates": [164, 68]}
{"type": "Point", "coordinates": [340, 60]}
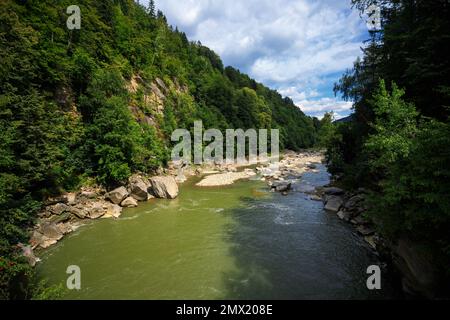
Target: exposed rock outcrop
{"type": "Point", "coordinates": [416, 266]}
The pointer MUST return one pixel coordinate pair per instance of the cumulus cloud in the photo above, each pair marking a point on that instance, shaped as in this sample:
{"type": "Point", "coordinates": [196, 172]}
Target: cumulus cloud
{"type": "Point", "coordinates": [300, 45]}
{"type": "Point", "coordinates": [310, 103]}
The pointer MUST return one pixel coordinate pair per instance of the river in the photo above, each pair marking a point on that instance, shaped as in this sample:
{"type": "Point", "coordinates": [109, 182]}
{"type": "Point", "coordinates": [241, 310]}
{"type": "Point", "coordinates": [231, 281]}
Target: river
{"type": "Point", "coordinates": [236, 242]}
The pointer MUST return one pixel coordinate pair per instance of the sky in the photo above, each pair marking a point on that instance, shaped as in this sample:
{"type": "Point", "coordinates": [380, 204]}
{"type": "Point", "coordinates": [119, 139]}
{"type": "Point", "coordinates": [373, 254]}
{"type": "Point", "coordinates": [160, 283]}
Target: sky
{"type": "Point", "coordinates": [298, 47]}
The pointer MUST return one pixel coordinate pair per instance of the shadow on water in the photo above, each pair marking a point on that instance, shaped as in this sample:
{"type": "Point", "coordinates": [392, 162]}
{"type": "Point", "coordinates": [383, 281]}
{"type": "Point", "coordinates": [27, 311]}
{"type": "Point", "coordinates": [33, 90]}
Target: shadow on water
{"type": "Point", "coordinates": [288, 247]}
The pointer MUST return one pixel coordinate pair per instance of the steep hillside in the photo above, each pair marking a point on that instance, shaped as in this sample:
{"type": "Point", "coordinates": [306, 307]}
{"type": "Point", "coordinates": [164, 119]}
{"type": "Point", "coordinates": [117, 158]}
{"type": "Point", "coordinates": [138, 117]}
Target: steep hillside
{"type": "Point", "coordinates": [99, 103]}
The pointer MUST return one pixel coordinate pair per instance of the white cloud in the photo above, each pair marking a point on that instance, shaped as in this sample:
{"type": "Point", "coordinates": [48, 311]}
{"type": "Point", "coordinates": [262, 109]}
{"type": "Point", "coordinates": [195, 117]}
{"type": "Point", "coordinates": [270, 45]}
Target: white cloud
{"type": "Point", "coordinates": [299, 44]}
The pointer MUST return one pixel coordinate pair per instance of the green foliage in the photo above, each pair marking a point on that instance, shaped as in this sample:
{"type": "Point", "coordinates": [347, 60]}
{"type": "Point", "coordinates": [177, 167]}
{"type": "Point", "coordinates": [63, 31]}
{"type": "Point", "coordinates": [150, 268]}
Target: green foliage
{"type": "Point", "coordinates": [412, 194]}
{"type": "Point", "coordinates": [326, 130]}
{"type": "Point", "coordinates": [394, 129]}
{"type": "Point", "coordinates": [398, 144]}
{"type": "Point", "coordinates": [43, 291]}
{"type": "Point", "coordinates": [68, 118]}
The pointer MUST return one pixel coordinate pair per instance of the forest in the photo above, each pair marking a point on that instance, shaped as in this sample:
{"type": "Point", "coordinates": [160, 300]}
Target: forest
{"type": "Point", "coordinates": [397, 145]}
{"type": "Point", "coordinates": [78, 107]}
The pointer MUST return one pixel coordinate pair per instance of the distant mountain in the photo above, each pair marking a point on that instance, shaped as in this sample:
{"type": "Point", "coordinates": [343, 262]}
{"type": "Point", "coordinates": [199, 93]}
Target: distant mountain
{"type": "Point", "coordinates": [350, 118]}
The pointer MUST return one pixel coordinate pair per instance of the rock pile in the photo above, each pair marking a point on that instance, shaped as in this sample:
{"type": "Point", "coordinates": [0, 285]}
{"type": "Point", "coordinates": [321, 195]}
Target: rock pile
{"type": "Point", "coordinates": [350, 208]}
{"type": "Point", "coordinates": [66, 213]}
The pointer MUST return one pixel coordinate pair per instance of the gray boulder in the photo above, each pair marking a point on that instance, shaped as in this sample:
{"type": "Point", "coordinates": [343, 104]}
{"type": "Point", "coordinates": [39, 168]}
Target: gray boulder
{"type": "Point", "coordinates": [333, 191]}
{"type": "Point", "coordinates": [112, 210]}
{"type": "Point", "coordinates": [139, 191]}
{"type": "Point", "coordinates": [117, 195]}
{"type": "Point", "coordinates": [359, 220]}
{"type": "Point", "coordinates": [39, 240]}
{"type": "Point", "coordinates": [334, 203]}
{"type": "Point", "coordinates": [365, 230]}
{"type": "Point", "coordinates": [96, 212]}
{"type": "Point", "coordinates": [80, 213]}
{"type": "Point", "coordinates": [353, 203]}
{"type": "Point", "coordinates": [88, 194]}
{"type": "Point", "coordinates": [59, 208]}
{"type": "Point", "coordinates": [344, 215]}
{"type": "Point", "coordinates": [129, 202]}
{"type": "Point", "coordinates": [164, 187]}
{"type": "Point", "coordinates": [51, 231]}
{"type": "Point", "coordinates": [283, 187]}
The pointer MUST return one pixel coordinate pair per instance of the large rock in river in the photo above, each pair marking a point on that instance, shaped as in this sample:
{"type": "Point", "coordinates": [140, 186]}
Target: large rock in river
{"type": "Point", "coordinates": [129, 202]}
{"type": "Point", "coordinates": [139, 190]}
{"type": "Point", "coordinates": [117, 195]}
{"type": "Point", "coordinates": [164, 187]}
{"type": "Point", "coordinates": [334, 203]}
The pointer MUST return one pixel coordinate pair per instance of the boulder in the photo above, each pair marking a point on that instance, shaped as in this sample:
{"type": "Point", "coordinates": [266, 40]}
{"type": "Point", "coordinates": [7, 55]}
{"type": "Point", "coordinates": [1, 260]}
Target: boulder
{"type": "Point", "coordinates": [164, 187]}
{"type": "Point", "coordinates": [50, 231]}
{"type": "Point", "coordinates": [129, 202]}
{"type": "Point", "coordinates": [71, 198]}
{"type": "Point", "coordinates": [117, 195]}
{"type": "Point", "coordinates": [139, 191]}
{"type": "Point", "coordinates": [372, 241]}
{"type": "Point", "coordinates": [80, 213]}
{"type": "Point", "coordinates": [283, 187]}
{"type": "Point", "coordinates": [65, 228]}
{"type": "Point", "coordinates": [333, 203]}
{"type": "Point", "coordinates": [365, 230]}
{"type": "Point", "coordinates": [359, 220]}
{"type": "Point", "coordinates": [112, 210]}
{"type": "Point", "coordinates": [353, 203]}
{"type": "Point", "coordinates": [67, 198]}
{"type": "Point", "coordinates": [344, 215]}
{"type": "Point", "coordinates": [46, 235]}
{"type": "Point", "coordinates": [416, 265]}
{"type": "Point", "coordinates": [88, 194]}
{"type": "Point", "coordinates": [181, 178]}
{"type": "Point", "coordinates": [333, 191]}
{"type": "Point", "coordinates": [59, 208]}
{"type": "Point", "coordinates": [61, 218]}
{"type": "Point", "coordinates": [96, 210]}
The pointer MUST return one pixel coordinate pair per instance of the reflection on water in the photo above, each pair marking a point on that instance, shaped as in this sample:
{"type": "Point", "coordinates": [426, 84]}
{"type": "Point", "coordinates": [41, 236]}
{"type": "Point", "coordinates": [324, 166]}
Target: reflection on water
{"type": "Point", "coordinates": [237, 242]}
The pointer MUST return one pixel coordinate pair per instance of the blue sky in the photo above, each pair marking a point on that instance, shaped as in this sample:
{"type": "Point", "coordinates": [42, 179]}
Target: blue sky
{"type": "Point", "coordinates": [298, 47]}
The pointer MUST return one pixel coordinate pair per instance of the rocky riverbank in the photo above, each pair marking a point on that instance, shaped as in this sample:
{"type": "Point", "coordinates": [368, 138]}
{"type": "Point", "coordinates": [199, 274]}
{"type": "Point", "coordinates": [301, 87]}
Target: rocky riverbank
{"type": "Point", "coordinates": [413, 265]}
{"type": "Point", "coordinates": [66, 213]}
{"type": "Point", "coordinates": [279, 175]}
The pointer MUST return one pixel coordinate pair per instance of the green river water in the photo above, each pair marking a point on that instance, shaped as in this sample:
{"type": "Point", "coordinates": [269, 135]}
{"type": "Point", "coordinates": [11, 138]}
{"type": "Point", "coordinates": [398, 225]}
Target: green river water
{"type": "Point", "coordinates": [236, 242]}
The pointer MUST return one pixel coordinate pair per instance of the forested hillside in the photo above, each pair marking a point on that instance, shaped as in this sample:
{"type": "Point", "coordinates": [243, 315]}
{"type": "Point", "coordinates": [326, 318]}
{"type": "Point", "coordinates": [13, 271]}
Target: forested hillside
{"type": "Point", "coordinates": [95, 105]}
{"type": "Point", "coordinates": [398, 142]}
